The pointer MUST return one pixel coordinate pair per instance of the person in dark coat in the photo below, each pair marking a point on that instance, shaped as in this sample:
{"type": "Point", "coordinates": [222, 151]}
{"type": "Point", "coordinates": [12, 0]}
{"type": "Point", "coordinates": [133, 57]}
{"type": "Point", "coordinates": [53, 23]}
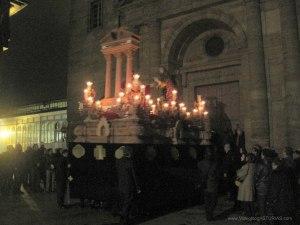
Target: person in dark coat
{"type": "Point", "coordinates": [239, 138]}
{"type": "Point", "coordinates": [230, 165]}
{"type": "Point", "coordinates": [210, 176]}
{"type": "Point", "coordinates": [7, 170]}
{"type": "Point", "coordinates": [17, 164]}
{"type": "Point", "coordinates": [128, 185]}
{"type": "Point", "coordinates": [280, 198]}
{"type": "Point", "coordinates": [49, 167]}
{"type": "Point", "coordinates": [62, 174]}
{"type": "Point", "coordinates": [289, 165]}
{"type": "Point", "coordinates": [262, 173]}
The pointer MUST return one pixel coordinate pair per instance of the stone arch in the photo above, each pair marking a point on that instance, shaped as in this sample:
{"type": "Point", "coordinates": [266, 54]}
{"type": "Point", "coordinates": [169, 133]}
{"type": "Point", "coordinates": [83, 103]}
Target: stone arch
{"type": "Point", "coordinates": [189, 28]}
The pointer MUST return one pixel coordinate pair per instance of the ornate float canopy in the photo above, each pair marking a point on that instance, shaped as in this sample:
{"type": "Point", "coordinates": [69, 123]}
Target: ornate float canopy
{"type": "Point", "coordinates": [132, 113]}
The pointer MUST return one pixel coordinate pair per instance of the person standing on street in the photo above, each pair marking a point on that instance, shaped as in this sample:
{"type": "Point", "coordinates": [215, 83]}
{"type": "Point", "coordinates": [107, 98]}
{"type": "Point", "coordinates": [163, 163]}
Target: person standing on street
{"type": "Point", "coordinates": [262, 175]}
{"type": "Point", "coordinates": [230, 164]}
{"type": "Point", "coordinates": [210, 176]}
{"type": "Point", "coordinates": [245, 179]}
{"type": "Point", "coordinates": [128, 185]}
{"type": "Point", "coordinates": [62, 178]}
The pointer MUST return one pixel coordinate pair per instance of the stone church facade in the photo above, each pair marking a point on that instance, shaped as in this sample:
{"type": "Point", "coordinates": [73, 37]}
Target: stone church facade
{"type": "Point", "coordinates": [242, 54]}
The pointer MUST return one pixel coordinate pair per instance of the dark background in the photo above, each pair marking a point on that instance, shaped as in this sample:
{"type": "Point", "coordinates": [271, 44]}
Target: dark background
{"type": "Point", "coordinates": [34, 69]}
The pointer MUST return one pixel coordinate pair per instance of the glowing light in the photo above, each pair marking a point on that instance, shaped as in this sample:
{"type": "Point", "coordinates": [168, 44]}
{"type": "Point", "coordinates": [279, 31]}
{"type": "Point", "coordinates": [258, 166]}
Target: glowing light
{"type": "Point", "coordinates": [85, 91]}
{"type": "Point", "coordinates": [181, 104]}
{"type": "Point", "coordinates": [89, 83]}
{"type": "Point", "coordinates": [205, 113]}
{"type": "Point", "coordinates": [195, 111]}
{"type": "Point", "coordinates": [184, 109]}
{"type": "Point", "coordinates": [98, 103]}
{"type": "Point", "coordinates": [90, 100]}
{"type": "Point", "coordinates": [173, 103]}
{"type": "Point", "coordinates": [174, 92]}
{"type": "Point", "coordinates": [143, 86]}
{"type": "Point", "coordinates": [147, 97]}
{"type": "Point", "coordinates": [129, 85]}
{"type": "Point", "coordinates": [188, 114]}
{"type": "Point", "coordinates": [16, 6]}
{"type": "Point", "coordinates": [5, 134]}
{"type": "Point", "coordinates": [158, 100]}
{"type": "Point", "coordinates": [121, 94]}
{"type": "Point", "coordinates": [153, 106]}
{"type": "Point", "coordinates": [166, 105]}
{"type": "Point", "coordinates": [118, 100]}
{"type": "Point", "coordinates": [203, 102]}
{"type": "Point", "coordinates": [136, 76]}
{"type": "Point", "coordinates": [150, 101]}
{"type": "Point", "coordinates": [136, 97]}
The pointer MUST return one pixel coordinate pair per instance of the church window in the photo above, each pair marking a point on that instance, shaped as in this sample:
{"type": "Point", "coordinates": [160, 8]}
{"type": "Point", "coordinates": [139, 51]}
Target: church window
{"type": "Point", "coordinates": [95, 14]}
{"type": "Point", "coordinates": [214, 46]}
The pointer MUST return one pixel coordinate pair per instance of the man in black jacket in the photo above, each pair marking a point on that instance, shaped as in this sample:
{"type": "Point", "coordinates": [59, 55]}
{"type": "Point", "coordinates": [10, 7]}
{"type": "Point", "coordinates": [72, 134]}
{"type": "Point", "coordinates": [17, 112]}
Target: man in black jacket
{"type": "Point", "coordinates": [262, 175]}
{"type": "Point", "coordinates": [62, 175]}
{"type": "Point", "coordinates": [230, 164]}
{"type": "Point", "coordinates": [128, 187]}
{"type": "Point", "coordinates": [210, 176]}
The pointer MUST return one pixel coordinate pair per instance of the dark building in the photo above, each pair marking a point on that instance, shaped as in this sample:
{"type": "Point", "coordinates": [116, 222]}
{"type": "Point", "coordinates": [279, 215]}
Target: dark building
{"type": "Point", "coordinates": [244, 54]}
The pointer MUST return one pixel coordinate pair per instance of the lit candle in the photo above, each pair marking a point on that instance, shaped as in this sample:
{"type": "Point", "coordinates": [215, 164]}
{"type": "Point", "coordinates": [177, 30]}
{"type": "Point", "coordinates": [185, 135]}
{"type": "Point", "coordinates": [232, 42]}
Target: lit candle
{"type": "Point", "coordinates": [195, 111]}
{"type": "Point", "coordinates": [203, 102]}
{"type": "Point", "coordinates": [183, 109]}
{"type": "Point", "coordinates": [158, 100]}
{"type": "Point", "coordinates": [89, 83]}
{"type": "Point", "coordinates": [129, 86]}
{"type": "Point", "coordinates": [143, 87]}
{"type": "Point", "coordinates": [200, 108]}
{"type": "Point", "coordinates": [98, 104]}
{"type": "Point", "coordinates": [166, 105]}
{"type": "Point", "coordinates": [153, 107]}
{"type": "Point", "coordinates": [147, 97]}
{"type": "Point", "coordinates": [121, 94]}
{"type": "Point", "coordinates": [173, 103]}
{"type": "Point", "coordinates": [205, 113]}
{"type": "Point", "coordinates": [188, 114]}
{"type": "Point", "coordinates": [136, 76]}
{"type": "Point", "coordinates": [119, 100]}
{"type": "Point", "coordinates": [174, 92]}
{"type": "Point", "coordinates": [90, 100]}
{"type": "Point", "coordinates": [150, 101]}
{"type": "Point", "coordinates": [181, 104]}
{"type": "Point", "coordinates": [136, 97]}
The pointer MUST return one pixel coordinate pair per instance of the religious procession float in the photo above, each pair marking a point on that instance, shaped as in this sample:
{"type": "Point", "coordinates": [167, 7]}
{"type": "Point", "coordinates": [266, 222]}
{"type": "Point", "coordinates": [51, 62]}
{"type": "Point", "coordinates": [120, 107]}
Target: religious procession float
{"type": "Point", "coordinates": [166, 136]}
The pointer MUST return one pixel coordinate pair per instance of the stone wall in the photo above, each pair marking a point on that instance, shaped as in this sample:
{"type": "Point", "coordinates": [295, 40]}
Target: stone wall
{"type": "Point", "coordinates": [261, 40]}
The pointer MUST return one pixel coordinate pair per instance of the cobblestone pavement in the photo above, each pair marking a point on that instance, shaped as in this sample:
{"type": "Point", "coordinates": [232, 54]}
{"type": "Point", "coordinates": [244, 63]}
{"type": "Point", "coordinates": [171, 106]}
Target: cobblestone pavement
{"type": "Point", "coordinates": [40, 209]}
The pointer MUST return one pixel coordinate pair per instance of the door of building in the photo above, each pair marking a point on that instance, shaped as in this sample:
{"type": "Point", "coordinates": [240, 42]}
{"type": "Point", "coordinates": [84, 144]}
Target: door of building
{"type": "Point", "coordinates": [223, 103]}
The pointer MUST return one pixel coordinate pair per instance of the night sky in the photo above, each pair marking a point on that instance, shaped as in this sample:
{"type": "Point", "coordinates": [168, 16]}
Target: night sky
{"type": "Point", "coordinates": [34, 69]}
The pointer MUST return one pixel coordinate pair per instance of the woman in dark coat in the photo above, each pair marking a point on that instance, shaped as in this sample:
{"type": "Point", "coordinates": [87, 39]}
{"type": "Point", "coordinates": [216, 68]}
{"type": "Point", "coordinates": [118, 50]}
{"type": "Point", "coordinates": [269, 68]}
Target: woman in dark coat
{"type": "Point", "coordinates": [280, 201]}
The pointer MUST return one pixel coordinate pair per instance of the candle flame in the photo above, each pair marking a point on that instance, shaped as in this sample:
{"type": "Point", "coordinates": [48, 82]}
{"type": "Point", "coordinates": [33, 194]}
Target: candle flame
{"type": "Point", "coordinates": [136, 76]}
{"type": "Point", "coordinates": [166, 105]}
{"type": "Point", "coordinates": [89, 83]}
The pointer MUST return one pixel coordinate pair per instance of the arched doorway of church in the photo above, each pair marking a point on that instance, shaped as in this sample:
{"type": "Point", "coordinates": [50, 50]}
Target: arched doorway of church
{"type": "Point", "coordinates": [206, 56]}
